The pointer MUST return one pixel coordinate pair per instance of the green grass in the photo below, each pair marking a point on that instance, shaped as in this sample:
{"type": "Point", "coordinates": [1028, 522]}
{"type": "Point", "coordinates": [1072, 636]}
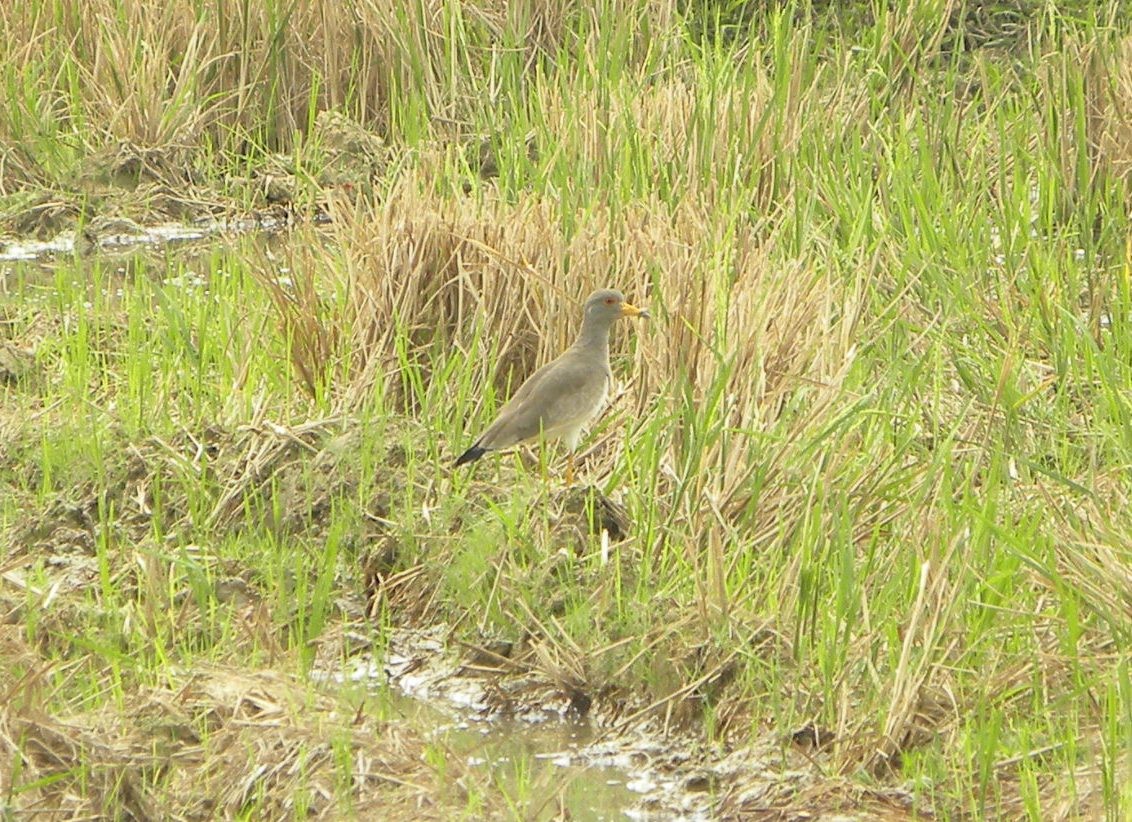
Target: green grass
{"type": "Point", "coordinates": [873, 450]}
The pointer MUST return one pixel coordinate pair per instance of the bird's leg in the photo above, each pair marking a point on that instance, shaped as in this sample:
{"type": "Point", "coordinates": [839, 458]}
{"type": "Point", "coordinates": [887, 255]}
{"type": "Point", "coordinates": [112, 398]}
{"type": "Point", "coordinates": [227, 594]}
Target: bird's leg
{"type": "Point", "coordinates": [570, 470]}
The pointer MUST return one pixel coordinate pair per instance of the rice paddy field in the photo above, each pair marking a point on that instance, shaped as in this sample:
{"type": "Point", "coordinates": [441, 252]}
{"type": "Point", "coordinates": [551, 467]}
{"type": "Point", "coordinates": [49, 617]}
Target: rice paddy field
{"type": "Point", "coordinates": [852, 539]}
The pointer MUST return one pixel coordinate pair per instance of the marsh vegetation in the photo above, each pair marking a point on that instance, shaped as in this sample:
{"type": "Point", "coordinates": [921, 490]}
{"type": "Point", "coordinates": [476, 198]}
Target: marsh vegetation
{"type": "Point", "coordinates": [859, 507]}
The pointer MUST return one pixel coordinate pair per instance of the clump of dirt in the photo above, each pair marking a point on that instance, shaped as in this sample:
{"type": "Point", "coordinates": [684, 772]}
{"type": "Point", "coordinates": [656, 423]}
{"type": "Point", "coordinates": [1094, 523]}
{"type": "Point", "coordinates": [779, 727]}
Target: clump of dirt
{"type": "Point", "coordinates": [16, 363]}
{"type": "Point", "coordinates": [43, 214]}
{"type": "Point", "coordinates": [584, 512]}
{"type": "Point", "coordinates": [128, 165]}
{"type": "Point", "coordinates": [408, 594]}
{"type": "Point", "coordinates": [355, 155]}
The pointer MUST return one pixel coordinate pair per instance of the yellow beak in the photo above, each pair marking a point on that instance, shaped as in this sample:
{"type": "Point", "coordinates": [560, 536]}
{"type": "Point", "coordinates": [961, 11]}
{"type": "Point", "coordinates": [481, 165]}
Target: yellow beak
{"type": "Point", "coordinates": [628, 310]}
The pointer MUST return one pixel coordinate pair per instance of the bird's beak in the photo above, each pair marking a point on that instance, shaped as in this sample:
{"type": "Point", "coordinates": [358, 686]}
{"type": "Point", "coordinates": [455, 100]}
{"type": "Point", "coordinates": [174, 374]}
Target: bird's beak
{"type": "Point", "coordinates": [628, 310]}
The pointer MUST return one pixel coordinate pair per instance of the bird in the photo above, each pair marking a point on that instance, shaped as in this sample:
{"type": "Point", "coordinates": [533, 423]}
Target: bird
{"type": "Point", "coordinates": [560, 399]}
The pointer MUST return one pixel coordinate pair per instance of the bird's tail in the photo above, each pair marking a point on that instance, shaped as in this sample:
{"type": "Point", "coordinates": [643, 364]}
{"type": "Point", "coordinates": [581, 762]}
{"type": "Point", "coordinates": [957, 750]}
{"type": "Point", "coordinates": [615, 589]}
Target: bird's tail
{"type": "Point", "coordinates": [471, 455]}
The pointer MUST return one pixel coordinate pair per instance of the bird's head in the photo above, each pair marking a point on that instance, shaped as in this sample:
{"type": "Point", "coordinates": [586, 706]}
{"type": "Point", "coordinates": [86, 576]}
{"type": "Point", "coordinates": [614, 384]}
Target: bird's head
{"type": "Point", "coordinates": [608, 305]}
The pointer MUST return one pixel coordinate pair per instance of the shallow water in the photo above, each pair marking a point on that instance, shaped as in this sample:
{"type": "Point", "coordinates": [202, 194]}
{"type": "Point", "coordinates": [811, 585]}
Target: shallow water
{"type": "Point", "coordinates": [550, 763]}
{"type": "Point", "coordinates": [166, 234]}
{"type": "Point", "coordinates": [543, 767]}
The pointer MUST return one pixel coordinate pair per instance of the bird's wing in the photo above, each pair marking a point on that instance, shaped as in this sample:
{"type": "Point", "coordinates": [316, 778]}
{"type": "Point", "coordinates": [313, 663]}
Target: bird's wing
{"type": "Point", "coordinates": [563, 393]}
{"type": "Point", "coordinates": [529, 385]}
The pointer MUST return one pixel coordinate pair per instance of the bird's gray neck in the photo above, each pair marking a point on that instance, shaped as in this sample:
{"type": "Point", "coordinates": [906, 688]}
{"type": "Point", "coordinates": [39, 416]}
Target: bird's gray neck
{"type": "Point", "coordinates": [594, 337]}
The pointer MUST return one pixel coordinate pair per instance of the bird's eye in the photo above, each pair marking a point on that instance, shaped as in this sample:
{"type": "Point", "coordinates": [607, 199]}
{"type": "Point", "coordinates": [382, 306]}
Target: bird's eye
{"type": "Point", "coordinates": [610, 300]}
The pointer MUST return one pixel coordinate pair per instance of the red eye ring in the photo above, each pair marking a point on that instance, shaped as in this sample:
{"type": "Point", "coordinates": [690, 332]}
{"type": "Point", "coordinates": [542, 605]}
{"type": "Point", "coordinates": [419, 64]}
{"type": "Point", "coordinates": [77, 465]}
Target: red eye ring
{"type": "Point", "coordinates": [610, 300]}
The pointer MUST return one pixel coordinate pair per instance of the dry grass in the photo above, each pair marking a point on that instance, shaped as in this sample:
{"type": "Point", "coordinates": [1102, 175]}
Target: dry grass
{"type": "Point", "coordinates": [233, 72]}
{"type": "Point", "coordinates": [207, 742]}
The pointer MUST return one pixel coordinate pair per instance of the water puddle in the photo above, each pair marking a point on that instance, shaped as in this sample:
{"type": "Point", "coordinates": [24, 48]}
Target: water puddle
{"type": "Point", "coordinates": [543, 768]}
{"type": "Point", "coordinates": [546, 759]}
{"type": "Point", "coordinates": [123, 235]}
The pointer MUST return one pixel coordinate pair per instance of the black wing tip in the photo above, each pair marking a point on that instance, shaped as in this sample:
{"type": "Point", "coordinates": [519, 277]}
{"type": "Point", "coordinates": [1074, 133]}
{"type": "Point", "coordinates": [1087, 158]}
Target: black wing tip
{"type": "Point", "coordinates": [471, 455]}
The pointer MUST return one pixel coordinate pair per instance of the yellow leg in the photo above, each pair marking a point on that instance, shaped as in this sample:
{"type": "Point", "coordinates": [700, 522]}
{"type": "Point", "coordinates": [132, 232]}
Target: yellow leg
{"type": "Point", "coordinates": [570, 470]}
